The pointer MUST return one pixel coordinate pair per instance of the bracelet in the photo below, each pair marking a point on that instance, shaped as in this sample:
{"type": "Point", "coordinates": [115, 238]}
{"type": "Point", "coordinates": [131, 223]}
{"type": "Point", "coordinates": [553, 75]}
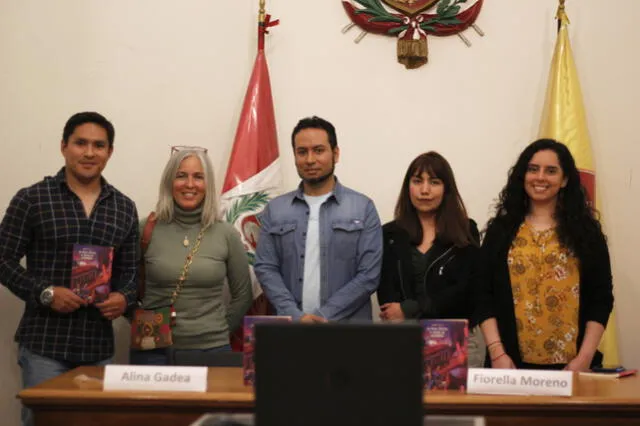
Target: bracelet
{"type": "Point", "coordinates": [498, 357]}
{"type": "Point", "coordinates": [495, 342]}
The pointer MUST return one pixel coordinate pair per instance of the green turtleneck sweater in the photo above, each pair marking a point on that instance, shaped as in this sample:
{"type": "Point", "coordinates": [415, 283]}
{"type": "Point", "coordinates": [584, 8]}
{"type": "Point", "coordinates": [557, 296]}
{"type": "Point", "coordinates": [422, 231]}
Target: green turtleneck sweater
{"type": "Point", "coordinates": [203, 319]}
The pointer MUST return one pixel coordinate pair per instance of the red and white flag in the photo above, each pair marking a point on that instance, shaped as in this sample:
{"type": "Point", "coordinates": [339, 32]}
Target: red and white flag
{"type": "Point", "coordinates": [253, 175]}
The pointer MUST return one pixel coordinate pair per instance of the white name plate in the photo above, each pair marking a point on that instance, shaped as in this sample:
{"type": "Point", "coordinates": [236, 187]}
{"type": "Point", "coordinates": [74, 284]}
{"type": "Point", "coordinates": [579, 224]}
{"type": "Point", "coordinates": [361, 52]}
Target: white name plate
{"type": "Point", "coordinates": [155, 378]}
{"type": "Point", "coordinates": [519, 382]}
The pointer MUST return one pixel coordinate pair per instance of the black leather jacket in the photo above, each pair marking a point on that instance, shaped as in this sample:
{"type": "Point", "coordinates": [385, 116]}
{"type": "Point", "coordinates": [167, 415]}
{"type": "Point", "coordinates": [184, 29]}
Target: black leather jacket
{"type": "Point", "coordinates": [446, 290]}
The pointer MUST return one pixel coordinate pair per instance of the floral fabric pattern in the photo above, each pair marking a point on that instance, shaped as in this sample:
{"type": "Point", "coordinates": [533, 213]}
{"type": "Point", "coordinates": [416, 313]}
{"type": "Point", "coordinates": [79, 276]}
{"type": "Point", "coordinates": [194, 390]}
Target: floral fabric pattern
{"type": "Point", "coordinates": [545, 281]}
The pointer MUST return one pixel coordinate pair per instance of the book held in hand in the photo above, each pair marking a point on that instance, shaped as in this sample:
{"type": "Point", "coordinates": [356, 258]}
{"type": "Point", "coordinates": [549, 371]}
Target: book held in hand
{"type": "Point", "coordinates": [248, 345]}
{"type": "Point", "coordinates": [445, 353]}
{"type": "Point", "coordinates": [91, 272]}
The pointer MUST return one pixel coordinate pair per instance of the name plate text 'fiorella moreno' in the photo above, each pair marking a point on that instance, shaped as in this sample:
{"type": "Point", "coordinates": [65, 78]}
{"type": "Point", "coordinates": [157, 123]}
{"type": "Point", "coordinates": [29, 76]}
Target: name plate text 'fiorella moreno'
{"type": "Point", "coordinates": [519, 382]}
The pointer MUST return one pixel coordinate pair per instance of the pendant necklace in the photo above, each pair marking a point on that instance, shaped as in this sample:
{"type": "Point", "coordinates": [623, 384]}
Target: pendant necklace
{"type": "Point", "coordinates": [185, 242]}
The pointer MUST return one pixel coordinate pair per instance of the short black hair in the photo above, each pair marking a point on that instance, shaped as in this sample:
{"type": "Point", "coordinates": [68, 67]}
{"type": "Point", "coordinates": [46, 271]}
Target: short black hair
{"type": "Point", "coordinates": [315, 122]}
{"type": "Point", "coordinates": [81, 118]}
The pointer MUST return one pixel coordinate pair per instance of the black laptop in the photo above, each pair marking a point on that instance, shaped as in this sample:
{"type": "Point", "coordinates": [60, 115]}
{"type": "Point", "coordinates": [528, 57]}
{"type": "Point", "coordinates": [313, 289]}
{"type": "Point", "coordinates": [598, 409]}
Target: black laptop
{"type": "Point", "coordinates": [338, 374]}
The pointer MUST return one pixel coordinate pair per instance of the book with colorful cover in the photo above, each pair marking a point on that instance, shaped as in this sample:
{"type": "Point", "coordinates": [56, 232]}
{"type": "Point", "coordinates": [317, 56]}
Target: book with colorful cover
{"type": "Point", "coordinates": [248, 365]}
{"type": "Point", "coordinates": [445, 353]}
{"type": "Point", "coordinates": [91, 272]}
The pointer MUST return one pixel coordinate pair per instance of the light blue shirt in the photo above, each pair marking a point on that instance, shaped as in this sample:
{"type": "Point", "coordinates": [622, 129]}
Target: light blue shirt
{"type": "Point", "coordinates": [350, 241]}
{"type": "Point", "coordinates": [311, 281]}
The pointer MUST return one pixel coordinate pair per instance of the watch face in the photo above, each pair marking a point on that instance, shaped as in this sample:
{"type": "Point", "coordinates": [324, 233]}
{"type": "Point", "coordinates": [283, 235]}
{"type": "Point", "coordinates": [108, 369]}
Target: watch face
{"type": "Point", "coordinates": [46, 297]}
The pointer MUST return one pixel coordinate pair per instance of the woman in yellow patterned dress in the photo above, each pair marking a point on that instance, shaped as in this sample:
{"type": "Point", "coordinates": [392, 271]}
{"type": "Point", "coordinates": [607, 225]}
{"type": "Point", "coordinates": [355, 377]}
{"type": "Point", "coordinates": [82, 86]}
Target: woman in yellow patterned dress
{"type": "Point", "coordinates": [545, 290]}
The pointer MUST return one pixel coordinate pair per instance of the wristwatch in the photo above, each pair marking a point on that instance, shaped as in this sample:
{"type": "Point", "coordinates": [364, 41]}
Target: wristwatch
{"type": "Point", "coordinates": [46, 297]}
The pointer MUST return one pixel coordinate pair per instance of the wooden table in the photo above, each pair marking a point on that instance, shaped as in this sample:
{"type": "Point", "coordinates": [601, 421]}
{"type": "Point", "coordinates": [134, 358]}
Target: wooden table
{"type": "Point", "coordinates": [61, 401]}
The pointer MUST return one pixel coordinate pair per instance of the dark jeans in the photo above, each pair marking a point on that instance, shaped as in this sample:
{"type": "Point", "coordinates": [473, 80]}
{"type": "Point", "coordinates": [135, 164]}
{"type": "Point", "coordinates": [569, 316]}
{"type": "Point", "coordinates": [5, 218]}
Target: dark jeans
{"type": "Point", "coordinates": [169, 356]}
{"type": "Point", "coordinates": [37, 369]}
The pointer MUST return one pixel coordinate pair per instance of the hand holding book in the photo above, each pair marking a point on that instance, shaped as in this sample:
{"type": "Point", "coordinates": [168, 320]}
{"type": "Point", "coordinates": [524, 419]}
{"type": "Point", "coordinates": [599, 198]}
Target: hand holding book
{"type": "Point", "coordinates": [113, 307]}
{"type": "Point", "coordinates": [66, 301]}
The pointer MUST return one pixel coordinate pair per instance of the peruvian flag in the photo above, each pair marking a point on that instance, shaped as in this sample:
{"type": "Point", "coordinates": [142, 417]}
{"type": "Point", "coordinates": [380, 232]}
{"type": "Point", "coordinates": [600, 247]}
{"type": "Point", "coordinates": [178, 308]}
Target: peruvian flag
{"type": "Point", "coordinates": [253, 175]}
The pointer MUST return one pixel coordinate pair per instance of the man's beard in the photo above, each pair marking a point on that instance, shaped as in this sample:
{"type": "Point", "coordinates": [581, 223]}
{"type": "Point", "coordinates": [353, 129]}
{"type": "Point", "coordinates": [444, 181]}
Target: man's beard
{"type": "Point", "coordinates": [320, 179]}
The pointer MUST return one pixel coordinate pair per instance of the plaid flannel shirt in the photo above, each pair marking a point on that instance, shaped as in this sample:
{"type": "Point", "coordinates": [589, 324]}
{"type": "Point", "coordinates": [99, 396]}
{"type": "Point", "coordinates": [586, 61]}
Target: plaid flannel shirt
{"type": "Point", "coordinates": [43, 222]}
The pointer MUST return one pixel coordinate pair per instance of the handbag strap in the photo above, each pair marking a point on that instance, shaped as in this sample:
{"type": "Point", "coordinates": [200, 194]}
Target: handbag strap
{"type": "Point", "coordinates": [144, 244]}
{"type": "Point", "coordinates": [185, 269]}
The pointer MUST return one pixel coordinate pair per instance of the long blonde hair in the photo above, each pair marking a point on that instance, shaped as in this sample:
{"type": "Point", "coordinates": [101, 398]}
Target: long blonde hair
{"type": "Point", "coordinates": [165, 208]}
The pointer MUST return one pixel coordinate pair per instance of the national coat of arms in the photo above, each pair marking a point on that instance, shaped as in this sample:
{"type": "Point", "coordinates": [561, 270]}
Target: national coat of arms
{"type": "Point", "coordinates": [408, 21]}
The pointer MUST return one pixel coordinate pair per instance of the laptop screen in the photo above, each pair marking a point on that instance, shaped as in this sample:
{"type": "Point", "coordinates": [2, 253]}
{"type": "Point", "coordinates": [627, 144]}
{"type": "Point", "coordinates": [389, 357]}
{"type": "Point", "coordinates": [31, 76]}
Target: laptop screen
{"type": "Point", "coordinates": [338, 374]}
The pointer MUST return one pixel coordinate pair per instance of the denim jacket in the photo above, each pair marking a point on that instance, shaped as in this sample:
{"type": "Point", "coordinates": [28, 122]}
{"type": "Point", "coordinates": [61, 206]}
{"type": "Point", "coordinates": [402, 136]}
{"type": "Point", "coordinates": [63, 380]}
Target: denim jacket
{"type": "Point", "coordinates": [350, 254]}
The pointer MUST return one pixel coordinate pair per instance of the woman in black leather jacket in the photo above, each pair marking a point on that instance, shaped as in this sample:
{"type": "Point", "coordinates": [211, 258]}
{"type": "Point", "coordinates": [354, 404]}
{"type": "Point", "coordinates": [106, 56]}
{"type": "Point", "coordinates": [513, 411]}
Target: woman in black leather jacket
{"type": "Point", "coordinates": [430, 249]}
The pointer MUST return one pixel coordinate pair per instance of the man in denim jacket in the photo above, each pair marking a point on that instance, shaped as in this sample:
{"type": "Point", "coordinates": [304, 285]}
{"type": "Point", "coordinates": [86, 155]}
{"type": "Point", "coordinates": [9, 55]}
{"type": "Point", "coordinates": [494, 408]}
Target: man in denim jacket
{"type": "Point", "coordinates": [320, 248]}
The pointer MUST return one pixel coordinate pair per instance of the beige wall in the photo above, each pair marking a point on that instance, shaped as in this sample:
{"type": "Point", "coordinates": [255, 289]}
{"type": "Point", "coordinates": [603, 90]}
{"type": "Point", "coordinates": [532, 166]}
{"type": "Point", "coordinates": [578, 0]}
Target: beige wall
{"type": "Point", "coordinates": [174, 72]}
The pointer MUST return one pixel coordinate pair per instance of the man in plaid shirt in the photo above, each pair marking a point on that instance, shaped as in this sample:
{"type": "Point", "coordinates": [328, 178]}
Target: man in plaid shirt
{"type": "Point", "coordinates": [59, 330]}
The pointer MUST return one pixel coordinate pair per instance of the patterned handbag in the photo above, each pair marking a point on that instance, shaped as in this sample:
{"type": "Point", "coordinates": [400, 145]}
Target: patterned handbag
{"type": "Point", "coordinates": [151, 328]}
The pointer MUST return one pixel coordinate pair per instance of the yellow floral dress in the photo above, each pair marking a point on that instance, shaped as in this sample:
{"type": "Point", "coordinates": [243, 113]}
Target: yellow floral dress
{"type": "Point", "coordinates": [545, 281]}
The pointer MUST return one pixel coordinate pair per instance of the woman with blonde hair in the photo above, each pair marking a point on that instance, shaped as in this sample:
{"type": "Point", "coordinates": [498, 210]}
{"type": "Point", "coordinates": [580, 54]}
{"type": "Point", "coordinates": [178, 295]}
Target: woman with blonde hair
{"type": "Point", "coordinates": [188, 258]}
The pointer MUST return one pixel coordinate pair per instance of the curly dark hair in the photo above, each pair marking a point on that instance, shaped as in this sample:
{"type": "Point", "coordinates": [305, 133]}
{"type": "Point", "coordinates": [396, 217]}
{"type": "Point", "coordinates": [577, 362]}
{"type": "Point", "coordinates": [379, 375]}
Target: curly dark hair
{"type": "Point", "coordinates": [577, 221]}
{"type": "Point", "coordinates": [452, 222]}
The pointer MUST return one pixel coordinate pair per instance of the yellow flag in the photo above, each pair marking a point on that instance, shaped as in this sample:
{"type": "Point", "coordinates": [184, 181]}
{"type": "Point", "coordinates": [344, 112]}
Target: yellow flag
{"type": "Point", "coordinates": [563, 119]}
